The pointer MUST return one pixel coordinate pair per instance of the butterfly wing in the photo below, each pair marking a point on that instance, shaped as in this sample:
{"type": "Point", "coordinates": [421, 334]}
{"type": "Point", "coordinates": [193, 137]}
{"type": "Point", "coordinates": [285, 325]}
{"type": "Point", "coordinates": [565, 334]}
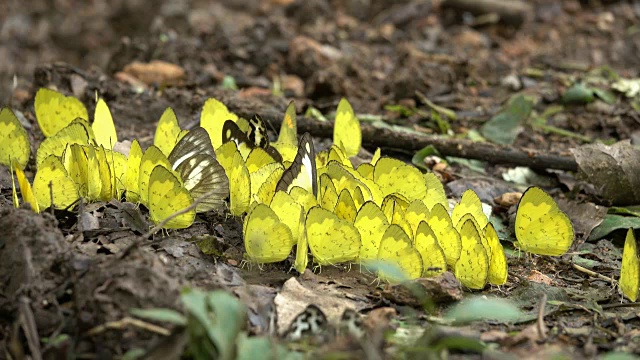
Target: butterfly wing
{"type": "Point", "coordinates": [302, 172]}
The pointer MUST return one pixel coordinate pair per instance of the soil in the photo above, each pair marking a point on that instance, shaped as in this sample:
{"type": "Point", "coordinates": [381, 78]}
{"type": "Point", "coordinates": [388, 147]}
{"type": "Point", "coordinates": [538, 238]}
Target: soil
{"type": "Point", "coordinates": [59, 280]}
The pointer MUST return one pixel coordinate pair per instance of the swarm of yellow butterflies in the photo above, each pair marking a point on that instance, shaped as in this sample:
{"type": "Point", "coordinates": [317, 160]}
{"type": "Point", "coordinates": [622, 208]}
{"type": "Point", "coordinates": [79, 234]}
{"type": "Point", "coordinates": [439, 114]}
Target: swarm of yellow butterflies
{"type": "Point", "coordinates": [381, 211]}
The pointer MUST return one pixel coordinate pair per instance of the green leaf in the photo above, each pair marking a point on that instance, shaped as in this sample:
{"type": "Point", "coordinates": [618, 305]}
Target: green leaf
{"type": "Point", "coordinates": [505, 126]}
{"type": "Point", "coordinates": [133, 354]}
{"type": "Point", "coordinates": [605, 95]}
{"type": "Point", "coordinates": [315, 113]}
{"type": "Point", "coordinates": [230, 316]}
{"type": "Point", "coordinates": [160, 315]}
{"type": "Point", "coordinates": [578, 94]}
{"type": "Point", "coordinates": [441, 109]}
{"type": "Point", "coordinates": [459, 342]}
{"type": "Point", "coordinates": [400, 109]}
{"type": "Point", "coordinates": [614, 222]}
{"type": "Point", "coordinates": [481, 308]}
{"type": "Point", "coordinates": [418, 158]}
{"type": "Point", "coordinates": [263, 348]}
{"type": "Point", "coordinates": [390, 271]}
{"type": "Point", "coordinates": [618, 356]}
{"type": "Point", "coordinates": [228, 82]}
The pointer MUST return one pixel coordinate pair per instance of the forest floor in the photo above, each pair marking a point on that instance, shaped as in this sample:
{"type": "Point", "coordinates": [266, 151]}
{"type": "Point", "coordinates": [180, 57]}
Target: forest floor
{"type": "Point", "coordinates": [61, 284]}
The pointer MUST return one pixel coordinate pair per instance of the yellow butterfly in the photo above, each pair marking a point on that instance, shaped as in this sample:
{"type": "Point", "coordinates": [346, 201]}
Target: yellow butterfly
{"type": "Point", "coordinates": [472, 268]}
{"type": "Point", "coordinates": [54, 111]}
{"type": "Point", "coordinates": [168, 132]}
{"type": "Point", "coordinates": [265, 193]}
{"type": "Point", "coordinates": [345, 207]}
{"type": "Point", "coordinates": [25, 189]}
{"type": "Point", "coordinates": [302, 247]}
{"type": "Point", "coordinates": [51, 182]}
{"type": "Point", "coordinates": [103, 126]}
{"type": "Point", "coordinates": [541, 227]}
{"type": "Point", "coordinates": [498, 260]}
{"type": "Point", "coordinates": [394, 176]}
{"type": "Point", "coordinates": [239, 178]}
{"type": "Point", "coordinates": [371, 223]}
{"type": "Point", "coordinates": [287, 144]}
{"type": "Point", "coordinates": [483, 239]}
{"type": "Point", "coordinates": [303, 197]}
{"type": "Point", "coordinates": [288, 211]}
{"type": "Point", "coordinates": [151, 158]}
{"type": "Point", "coordinates": [52, 179]}
{"type": "Point", "coordinates": [630, 269]}
{"type": "Point", "coordinates": [416, 212]}
{"type": "Point", "coordinates": [166, 196]}
{"type": "Point", "coordinates": [435, 192]}
{"type": "Point", "coordinates": [195, 162]}
{"type": "Point", "coordinates": [469, 204]}
{"type": "Point", "coordinates": [331, 239]}
{"type": "Point", "coordinates": [257, 159]}
{"type": "Point", "coordinates": [212, 118]}
{"type": "Point", "coordinates": [77, 132]}
{"type": "Point", "coordinates": [118, 165]}
{"type": "Point", "coordinates": [433, 259]}
{"type": "Point", "coordinates": [14, 141]}
{"type": "Point", "coordinates": [448, 237]}
{"type": "Point", "coordinates": [83, 168]}
{"type": "Point", "coordinates": [347, 132]}
{"type": "Point", "coordinates": [132, 175]}
{"type": "Point", "coordinates": [396, 249]}
{"type": "Point", "coordinates": [302, 172]}
{"type": "Point", "coordinates": [258, 178]}
{"type": "Point", "coordinates": [266, 238]}
{"type": "Point", "coordinates": [327, 193]}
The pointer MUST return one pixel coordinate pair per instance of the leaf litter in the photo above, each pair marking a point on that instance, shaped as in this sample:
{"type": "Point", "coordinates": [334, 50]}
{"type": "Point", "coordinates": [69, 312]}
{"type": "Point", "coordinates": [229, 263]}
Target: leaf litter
{"type": "Point", "coordinates": [79, 281]}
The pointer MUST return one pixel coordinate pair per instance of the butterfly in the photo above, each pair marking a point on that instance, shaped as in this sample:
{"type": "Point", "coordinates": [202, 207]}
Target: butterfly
{"type": "Point", "coordinates": [51, 180]}
{"type": "Point", "coordinates": [541, 227]}
{"type": "Point", "coordinates": [426, 242]}
{"type": "Point", "coordinates": [14, 141]}
{"type": "Point", "coordinates": [168, 132]}
{"type": "Point", "coordinates": [151, 158]}
{"type": "Point", "coordinates": [77, 132]}
{"type": "Point", "coordinates": [498, 263]}
{"type": "Point", "coordinates": [396, 249]}
{"type": "Point", "coordinates": [448, 237]}
{"type": "Point", "coordinates": [311, 322]}
{"type": "Point", "coordinates": [630, 268]}
{"type": "Point", "coordinates": [302, 172]}
{"type": "Point", "coordinates": [395, 176]}
{"type": "Point", "coordinates": [266, 238]}
{"type": "Point", "coordinates": [195, 162]}
{"type": "Point", "coordinates": [103, 126]}
{"type": "Point", "coordinates": [287, 143]}
{"type": "Point", "coordinates": [213, 116]}
{"type": "Point", "coordinates": [472, 268]}
{"type": "Point", "coordinates": [132, 174]}
{"type": "Point", "coordinates": [347, 132]}
{"type": "Point", "coordinates": [54, 111]}
{"type": "Point", "coordinates": [371, 223]}
{"type": "Point", "coordinates": [331, 239]}
{"type": "Point", "coordinates": [166, 196]}
{"type": "Point", "coordinates": [256, 137]}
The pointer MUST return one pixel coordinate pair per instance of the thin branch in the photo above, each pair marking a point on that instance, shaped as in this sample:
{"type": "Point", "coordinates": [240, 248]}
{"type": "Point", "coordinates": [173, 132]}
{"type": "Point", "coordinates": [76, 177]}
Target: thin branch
{"type": "Point", "coordinates": [373, 137]}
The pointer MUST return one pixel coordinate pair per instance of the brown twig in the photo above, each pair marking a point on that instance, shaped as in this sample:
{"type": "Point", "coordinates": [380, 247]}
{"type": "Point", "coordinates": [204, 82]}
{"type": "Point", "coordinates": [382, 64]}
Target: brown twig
{"type": "Point", "coordinates": [373, 137]}
{"type": "Point", "coordinates": [124, 322]}
{"type": "Point", "coordinates": [593, 273]}
{"type": "Point", "coordinates": [542, 329]}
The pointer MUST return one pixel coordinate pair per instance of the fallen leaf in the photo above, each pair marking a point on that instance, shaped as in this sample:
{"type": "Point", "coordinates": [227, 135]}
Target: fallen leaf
{"type": "Point", "coordinates": [612, 170]}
